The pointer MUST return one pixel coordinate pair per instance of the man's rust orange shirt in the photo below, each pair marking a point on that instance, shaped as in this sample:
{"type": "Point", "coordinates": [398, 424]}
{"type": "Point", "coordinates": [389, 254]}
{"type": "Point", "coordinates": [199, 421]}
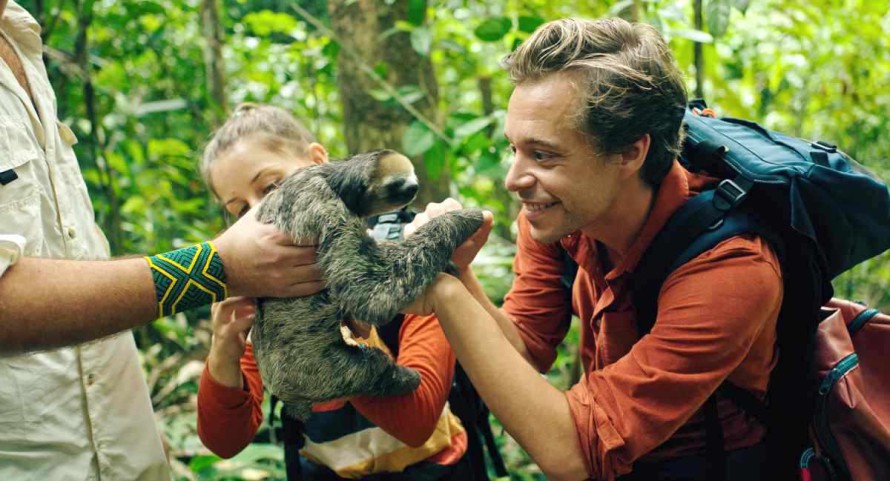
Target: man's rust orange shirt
{"type": "Point", "coordinates": [640, 397]}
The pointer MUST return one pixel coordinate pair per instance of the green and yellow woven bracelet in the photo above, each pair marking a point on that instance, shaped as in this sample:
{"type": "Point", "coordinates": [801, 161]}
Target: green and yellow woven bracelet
{"type": "Point", "coordinates": [187, 278]}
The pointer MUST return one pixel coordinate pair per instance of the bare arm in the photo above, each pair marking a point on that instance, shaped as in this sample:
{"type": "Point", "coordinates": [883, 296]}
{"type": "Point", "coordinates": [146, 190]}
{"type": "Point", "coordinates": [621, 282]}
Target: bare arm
{"type": "Point", "coordinates": [535, 413]}
{"type": "Point", "coordinates": [463, 257]}
{"type": "Point", "coordinates": [491, 351]}
{"type": "Point", "coordinates": [46, 303]}
{"type": "Point", "coordinates": [507, 326]}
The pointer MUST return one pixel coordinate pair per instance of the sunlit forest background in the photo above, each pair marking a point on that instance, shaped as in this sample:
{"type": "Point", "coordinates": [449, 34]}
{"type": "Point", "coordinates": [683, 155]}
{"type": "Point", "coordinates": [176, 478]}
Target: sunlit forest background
{"type": "Point", "coordinates": [144, 83]}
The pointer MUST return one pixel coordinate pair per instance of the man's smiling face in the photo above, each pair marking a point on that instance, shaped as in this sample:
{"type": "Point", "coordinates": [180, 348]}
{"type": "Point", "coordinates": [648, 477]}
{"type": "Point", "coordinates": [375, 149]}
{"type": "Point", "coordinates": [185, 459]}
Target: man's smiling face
{"type": "Point", "coordinates": [564, 183]}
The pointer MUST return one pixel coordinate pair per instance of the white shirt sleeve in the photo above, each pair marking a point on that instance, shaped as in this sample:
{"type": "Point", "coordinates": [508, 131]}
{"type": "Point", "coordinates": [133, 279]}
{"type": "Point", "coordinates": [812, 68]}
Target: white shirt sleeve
{"type": "Point", "coordinates": [11, 248]}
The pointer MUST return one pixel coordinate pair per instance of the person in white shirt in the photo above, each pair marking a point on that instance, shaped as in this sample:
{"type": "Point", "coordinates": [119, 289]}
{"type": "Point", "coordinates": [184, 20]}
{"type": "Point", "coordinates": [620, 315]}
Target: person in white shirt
{"type": "Point", "coordinates": [83, 412]}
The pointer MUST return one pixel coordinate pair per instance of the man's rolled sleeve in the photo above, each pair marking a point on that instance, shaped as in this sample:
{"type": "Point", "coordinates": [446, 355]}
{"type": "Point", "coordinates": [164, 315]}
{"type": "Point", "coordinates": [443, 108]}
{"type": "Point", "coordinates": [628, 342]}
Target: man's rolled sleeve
{"type": "Point", "coordinates": [537, 302]}
{"type": "Point", "coordinates": [596, 434]}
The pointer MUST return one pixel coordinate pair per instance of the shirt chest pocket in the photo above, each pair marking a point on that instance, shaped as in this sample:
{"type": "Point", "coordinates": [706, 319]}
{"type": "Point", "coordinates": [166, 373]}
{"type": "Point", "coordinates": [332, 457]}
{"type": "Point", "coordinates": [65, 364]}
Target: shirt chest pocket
{"type": "Point", "coordinates": [36, 384]}
{"type": "Point", "coordinates": [20, 188]}
{"type": "Point", "coordinates": [617, 333]}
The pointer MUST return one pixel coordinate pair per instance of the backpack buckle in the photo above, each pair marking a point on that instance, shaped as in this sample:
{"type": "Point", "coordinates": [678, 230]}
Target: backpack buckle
{"type": "Point", "coordinates": [820, 144]}
{"type": "Point", "coordinates": [728, 195]}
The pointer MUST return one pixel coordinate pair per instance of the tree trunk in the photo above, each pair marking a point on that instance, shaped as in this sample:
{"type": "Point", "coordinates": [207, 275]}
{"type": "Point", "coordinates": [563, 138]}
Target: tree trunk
{"type": "Point", "coordinates": [369, 123]}
{"type": "Point", "coordinates": [698, 54]}
{"type": "Point", "coordinates": [211, 30]}
{"type": "Point", "coordinates": [499, 194]}
{"type": "Point", "coordinates": [112, 225]}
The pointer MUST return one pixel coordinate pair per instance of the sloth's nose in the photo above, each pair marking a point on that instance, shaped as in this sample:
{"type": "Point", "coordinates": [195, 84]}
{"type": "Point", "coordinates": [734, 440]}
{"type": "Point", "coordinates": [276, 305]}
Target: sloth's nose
{"type": "Point", "coordinates": [404, 188]}
{"type": "Point", "coordinates": [410, 188]}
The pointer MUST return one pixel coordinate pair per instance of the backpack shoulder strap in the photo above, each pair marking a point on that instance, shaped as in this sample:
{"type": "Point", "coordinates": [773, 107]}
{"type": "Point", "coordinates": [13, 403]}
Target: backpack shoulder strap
{"type": "Point", "coordinates": [696, 227]}
{"type": "Point", "coordinates": [700, 224]}
{"type": "Point", "coordinates": [569, 271]}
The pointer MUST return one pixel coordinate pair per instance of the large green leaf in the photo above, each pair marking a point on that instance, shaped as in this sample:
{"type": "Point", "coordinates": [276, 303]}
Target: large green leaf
{"type": "Point", "coordinates": [158, 148]}
{"type": "Point", "coordinates": [417, 139]}
{"type": "Point", "coordinates": [203, 463]}
{"type": "Point", "coordinates": [694, 35]}
{"type": "Point", "coordinates": [471, 127]}
{"type": "Point", "coordinates": [266, 22]}
{"type": "Point", "coordinates": [435, 159]}
{"type": "Point", "coordinates": [421, 38]}
{"type": "Point", "coordinates": [493, 29]}
{"type": "Point", "coordinates": [529, 24]}
{"type": "Point", "coordinates": [416, 11]}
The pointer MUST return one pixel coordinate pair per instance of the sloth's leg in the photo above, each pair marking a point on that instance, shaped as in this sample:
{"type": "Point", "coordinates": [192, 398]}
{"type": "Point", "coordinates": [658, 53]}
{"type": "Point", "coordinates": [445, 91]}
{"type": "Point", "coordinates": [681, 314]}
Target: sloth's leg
{"type": "Point", "coordinates": [387, 277]}
{"type": "Point", "coordinates": [361, 370]}
{"type": "Point", "coordinates": [297, 408]}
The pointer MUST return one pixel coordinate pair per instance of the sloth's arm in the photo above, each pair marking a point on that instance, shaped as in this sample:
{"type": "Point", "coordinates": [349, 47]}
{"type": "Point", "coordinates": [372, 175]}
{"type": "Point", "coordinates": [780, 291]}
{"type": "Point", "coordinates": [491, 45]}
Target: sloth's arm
{"type": "Point", "coordinates": [373, 282]}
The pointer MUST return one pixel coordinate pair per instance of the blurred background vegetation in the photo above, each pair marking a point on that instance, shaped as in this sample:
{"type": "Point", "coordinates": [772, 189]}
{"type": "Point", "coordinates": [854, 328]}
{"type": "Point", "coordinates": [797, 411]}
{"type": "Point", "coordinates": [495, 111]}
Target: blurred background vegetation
{"type": "Point", "coordinates": [144, 83]}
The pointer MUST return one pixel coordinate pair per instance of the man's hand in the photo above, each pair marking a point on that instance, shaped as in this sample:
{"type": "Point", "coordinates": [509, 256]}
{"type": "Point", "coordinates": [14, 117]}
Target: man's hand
{"type": "Point", "coordinates": [467, 251]}
{"type": "Point", "coordinates": [426, 303]}
{"type": "Point", "coordinates": [232, 320]}
{"type": "Point", "coordinates": [260, 261]}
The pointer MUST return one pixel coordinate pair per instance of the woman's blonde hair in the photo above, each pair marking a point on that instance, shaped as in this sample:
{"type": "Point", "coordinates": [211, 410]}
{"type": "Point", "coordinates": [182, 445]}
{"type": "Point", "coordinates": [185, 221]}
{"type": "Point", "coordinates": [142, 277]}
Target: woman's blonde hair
{"type": "Point", "coordinates": [274, 127]}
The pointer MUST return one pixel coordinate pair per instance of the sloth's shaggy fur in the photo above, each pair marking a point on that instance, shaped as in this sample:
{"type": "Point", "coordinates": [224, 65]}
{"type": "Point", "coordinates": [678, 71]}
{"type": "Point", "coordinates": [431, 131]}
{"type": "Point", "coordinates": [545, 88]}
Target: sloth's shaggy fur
{"type": "Point", "coordinates": [300, 351]}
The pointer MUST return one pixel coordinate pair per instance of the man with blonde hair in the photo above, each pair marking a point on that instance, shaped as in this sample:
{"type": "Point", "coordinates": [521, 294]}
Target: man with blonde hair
{"type": "Point", "coordinates": [595, 126]}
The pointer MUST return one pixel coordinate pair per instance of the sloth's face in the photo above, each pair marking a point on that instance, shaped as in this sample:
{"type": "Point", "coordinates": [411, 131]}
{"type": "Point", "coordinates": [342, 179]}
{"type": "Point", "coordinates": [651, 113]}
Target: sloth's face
{"type": "Point", "coordinates": [374, 182]}
{"type": "Point", "coordinates": [394, 183]}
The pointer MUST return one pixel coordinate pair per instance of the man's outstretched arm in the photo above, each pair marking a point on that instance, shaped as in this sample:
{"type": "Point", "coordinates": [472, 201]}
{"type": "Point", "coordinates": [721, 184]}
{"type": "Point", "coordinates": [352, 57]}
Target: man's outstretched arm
{"type": "Point", "coordinates": [46, 303]}
{"type": "Point", "coordinates": [462, 259]}
{"type": "Point", "coordinates": [507, 326]}
{"type": "Point", "coordinates": [534, 412]}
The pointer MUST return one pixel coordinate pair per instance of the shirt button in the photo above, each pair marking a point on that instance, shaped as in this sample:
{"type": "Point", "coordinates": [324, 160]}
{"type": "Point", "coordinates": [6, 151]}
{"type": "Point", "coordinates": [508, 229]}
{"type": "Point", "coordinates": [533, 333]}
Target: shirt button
{"type": "Point", "coordinates": [72, 232]}
{"type": "Point", "coordinates": [91, 378]}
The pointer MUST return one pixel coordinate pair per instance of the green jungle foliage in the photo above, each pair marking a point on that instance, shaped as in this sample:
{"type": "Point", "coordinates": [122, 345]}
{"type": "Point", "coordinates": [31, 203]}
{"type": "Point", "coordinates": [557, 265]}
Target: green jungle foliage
{"type": "Point", "coordinates": [131, 79]}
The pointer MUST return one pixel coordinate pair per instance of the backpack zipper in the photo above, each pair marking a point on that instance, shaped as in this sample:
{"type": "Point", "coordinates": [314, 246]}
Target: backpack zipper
{"type": "Point", "coordinates": [842, 367]}
{"type": "Point", "coordinates": [821, 421]}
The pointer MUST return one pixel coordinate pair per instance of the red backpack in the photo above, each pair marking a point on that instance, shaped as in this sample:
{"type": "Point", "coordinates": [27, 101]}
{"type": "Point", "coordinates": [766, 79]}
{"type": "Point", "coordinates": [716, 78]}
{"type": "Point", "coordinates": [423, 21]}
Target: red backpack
{"type": "Point", "coordinates": [850, 430]}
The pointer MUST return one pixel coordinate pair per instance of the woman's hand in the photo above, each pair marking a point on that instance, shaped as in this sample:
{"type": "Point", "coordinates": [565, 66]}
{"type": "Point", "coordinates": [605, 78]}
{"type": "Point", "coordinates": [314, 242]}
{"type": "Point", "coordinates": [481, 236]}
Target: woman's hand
{"type": "Point", "coordinates": [467, 251]}
{"type": "Point", "coordinates": [232, 320]}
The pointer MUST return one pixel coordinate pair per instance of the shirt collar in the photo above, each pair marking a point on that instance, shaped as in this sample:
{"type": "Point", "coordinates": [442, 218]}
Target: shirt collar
{"type": "Point", "coordinates": [21, 27]}
{"type": "Point", "coordinates": [672, 193]}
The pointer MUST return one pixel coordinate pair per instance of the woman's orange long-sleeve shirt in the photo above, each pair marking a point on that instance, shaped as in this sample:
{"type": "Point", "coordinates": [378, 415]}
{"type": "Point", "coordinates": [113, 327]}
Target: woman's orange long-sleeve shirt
{"type": "Point", "coordinates": [228, 418]}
